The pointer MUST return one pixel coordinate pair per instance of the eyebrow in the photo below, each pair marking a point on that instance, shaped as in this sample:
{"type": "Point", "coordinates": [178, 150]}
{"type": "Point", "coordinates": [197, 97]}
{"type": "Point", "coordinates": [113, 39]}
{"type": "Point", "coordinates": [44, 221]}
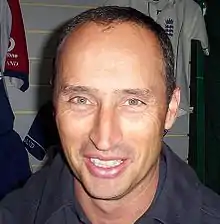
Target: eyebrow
{"type": "Point", "coordinates": [70, 89]}
{"type": "Point", "coordinates": [136, 92]}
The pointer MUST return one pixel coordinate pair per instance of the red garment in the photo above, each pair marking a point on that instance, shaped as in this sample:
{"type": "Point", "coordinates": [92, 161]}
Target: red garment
{"type": "Point", "coordinates": [17, 63]}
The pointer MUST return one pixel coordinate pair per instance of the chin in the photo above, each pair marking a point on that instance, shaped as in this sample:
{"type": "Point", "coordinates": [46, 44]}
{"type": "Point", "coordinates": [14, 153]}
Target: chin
{"type": "Point", "coordinates": [105, 191]}
{"type": "Point", "coordinates": [105, 195]}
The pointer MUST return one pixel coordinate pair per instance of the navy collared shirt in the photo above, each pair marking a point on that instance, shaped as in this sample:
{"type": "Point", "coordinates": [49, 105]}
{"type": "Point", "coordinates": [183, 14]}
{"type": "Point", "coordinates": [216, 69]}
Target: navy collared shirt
{"type": "Point", "coordinates": [48, 197]}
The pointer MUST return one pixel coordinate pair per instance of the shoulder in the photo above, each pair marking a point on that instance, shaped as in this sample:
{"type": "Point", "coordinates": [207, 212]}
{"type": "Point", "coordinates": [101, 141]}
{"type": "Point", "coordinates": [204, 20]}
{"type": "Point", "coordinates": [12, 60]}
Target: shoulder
{"type": "Point", "coordinates": [200, 203]}
{"type": "Point", "coordinates": [207, 200]}
{"type": "Point", "coordinates": [22, 204]}
{"type": "Point", "coordinates": [210, 208]}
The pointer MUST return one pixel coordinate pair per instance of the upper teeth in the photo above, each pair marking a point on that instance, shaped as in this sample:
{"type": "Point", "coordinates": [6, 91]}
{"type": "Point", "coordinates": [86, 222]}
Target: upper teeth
{"type": "Point", "coordinates": [105, 164]}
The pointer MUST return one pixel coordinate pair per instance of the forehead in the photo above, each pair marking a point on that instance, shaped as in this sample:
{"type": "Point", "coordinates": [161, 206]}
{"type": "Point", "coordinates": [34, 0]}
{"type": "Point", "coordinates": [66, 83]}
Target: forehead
{"type": "Point", "coordinates": [124, 55]}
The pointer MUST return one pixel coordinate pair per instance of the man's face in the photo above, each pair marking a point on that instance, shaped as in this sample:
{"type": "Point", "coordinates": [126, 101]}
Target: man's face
{"type": "Point", "coordinates": [110, 106]}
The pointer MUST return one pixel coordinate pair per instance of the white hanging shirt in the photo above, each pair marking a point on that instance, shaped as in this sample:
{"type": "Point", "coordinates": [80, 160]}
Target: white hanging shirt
{"type": "Point", "coordinates": [183, 21]}
{"type": "Point", "coordinates": [5, 30]}
{"type": "Point", "coordinates": [193, 28]}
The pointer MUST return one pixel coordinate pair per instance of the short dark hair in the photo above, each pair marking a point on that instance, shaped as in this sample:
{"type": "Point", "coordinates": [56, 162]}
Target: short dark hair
{"type": "Point", "coordinates": [108, 15]}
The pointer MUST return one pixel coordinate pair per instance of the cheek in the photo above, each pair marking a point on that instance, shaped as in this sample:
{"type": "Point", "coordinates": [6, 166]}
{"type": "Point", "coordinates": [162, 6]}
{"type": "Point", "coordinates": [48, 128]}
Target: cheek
{"type": "Point", "coordinates": [71, 128]}
{"type": "Point", "coordinates": [73, 134]}
{"type": "Point", "coordinates": [146, 125]}
{"type": "Point", "coordinates": [144, 134]}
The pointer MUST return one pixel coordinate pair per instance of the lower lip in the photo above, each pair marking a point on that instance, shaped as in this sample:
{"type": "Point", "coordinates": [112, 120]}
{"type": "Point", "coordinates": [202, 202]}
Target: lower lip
{"type": "Point", "coordinates": [111, 172]}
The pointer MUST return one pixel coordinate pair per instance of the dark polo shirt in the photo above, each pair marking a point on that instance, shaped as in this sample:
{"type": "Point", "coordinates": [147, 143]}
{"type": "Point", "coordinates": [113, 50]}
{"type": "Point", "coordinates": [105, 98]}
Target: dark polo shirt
{"type": "Point", "coordinates": [48, 197]}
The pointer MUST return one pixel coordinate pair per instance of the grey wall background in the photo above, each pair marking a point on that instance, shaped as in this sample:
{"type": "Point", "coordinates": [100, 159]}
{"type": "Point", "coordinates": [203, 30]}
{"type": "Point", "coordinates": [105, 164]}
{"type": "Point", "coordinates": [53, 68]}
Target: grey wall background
{"type": "Point", "coordinates": [41, 18]}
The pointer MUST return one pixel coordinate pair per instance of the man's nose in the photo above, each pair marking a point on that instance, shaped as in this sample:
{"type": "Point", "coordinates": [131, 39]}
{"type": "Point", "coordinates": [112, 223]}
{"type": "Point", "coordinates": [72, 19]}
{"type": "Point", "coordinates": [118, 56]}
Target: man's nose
{"type": "Point", "coordinates": [106, 132]}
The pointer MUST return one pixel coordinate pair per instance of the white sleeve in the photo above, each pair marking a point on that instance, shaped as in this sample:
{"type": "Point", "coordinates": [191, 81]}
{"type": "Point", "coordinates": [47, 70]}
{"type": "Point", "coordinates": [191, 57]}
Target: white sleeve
{"type": "Point", "coordinates": [195, 26]}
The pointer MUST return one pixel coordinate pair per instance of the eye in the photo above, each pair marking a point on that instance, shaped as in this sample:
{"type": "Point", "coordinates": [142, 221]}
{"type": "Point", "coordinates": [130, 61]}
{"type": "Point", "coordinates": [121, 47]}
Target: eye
{"type": "Point", "coordinates": [134, 102]}
{"type": "Point", "coordinates": [79, 100]}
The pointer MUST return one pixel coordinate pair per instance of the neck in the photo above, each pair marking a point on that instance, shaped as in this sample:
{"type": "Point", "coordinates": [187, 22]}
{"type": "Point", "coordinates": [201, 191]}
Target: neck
{"type": "Point", "coordinates": [125, 210]}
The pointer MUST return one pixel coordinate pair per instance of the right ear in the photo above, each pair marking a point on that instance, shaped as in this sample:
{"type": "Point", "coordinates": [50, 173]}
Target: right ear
{"type": "Point", "coordinates": [173, 108]}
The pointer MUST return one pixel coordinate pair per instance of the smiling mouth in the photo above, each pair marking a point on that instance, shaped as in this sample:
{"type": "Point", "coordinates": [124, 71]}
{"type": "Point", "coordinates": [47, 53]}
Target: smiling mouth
{"type": "Point", "coordinates": [106, 168]}
{"type": "Point", "coordinates": [105, 163]}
